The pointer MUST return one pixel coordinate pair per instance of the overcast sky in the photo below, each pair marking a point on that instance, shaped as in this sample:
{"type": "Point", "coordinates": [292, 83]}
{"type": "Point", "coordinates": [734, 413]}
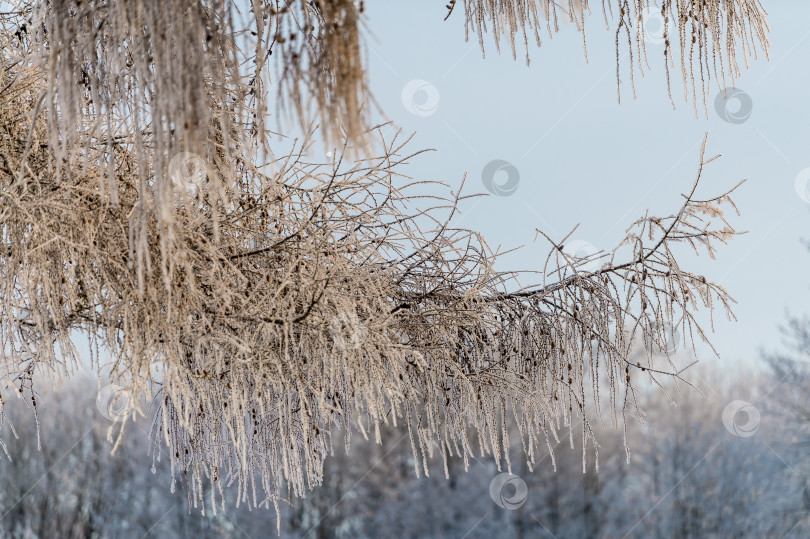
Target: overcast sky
{"type": "Point", "coordinates": [584, 158]}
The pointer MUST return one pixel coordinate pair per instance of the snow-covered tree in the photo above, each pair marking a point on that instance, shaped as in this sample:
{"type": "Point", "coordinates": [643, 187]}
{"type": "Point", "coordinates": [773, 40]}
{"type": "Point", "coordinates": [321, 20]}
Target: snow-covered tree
{"type": "Point", "coordinates": [248, 300]}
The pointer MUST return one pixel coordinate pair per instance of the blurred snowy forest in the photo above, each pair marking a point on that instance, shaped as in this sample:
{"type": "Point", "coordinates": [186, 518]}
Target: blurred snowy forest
{"type": "Point", "coordinates": [695, 471]}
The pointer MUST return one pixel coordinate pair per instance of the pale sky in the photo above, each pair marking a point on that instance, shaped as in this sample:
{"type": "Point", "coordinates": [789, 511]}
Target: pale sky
{"type": "Point", "coordinates": [584, 158]}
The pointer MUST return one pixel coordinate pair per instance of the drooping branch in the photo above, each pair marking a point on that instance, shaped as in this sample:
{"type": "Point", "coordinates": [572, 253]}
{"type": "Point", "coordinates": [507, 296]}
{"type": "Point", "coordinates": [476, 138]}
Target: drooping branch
{"type": "Point", "coordinates": [175, 58]}
{"type": "Point", "coordinates": [311, 294]}
{"type": "Point", "coordinates": [708, 36]}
